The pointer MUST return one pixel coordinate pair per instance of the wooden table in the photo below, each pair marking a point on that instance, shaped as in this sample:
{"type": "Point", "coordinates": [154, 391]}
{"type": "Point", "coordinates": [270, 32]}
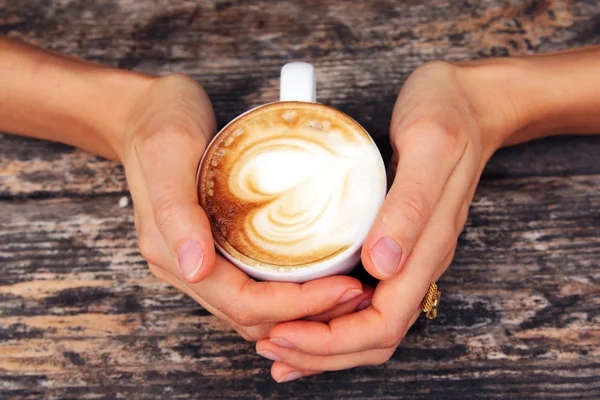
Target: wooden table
{"type": "Point", "coordinates": [82, 318]}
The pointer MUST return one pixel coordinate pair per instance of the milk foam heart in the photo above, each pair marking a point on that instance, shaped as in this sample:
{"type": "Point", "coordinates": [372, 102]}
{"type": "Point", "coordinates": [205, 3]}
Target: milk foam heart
{"type": "Point", "coordinates": [291, 184]}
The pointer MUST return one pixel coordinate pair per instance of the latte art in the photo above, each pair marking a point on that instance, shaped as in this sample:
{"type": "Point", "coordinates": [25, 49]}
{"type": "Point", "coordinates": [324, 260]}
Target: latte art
{"type": "Point", "coordinates": [291, 184]}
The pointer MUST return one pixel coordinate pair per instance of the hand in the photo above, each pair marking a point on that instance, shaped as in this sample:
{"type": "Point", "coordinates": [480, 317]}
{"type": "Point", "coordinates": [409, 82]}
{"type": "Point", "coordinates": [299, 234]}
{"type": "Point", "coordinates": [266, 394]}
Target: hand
{"type": "Point", "coordinates": [448, 121]}
{"type": "Point", "coordinates": [158, 128]}
{"type": "Point", "coordinates": [164, 136]}
{"type": "Point", "coordinates": [441, 142]}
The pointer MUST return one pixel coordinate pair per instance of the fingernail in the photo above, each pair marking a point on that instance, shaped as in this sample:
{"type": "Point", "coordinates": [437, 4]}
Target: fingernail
{"type": "Point", "coordinates": [290, 377]}
{"type": "Point", "coordinates": [386, 255]}
{"type": "Point", "coordinates": [269, 355]}
{"type": "Point", "coordinates": [349, 295]}
{"type": "Point", "coordinates": [190, 258]}
{"type": "Point", "coordinates": [363, 304]}
{"type": "Point", "coordinates": [283, 343]}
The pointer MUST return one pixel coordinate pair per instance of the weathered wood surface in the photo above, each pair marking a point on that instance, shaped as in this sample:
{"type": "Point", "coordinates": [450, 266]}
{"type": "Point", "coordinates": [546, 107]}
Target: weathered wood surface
{"type": "Point", "coordinates": [81, 317]}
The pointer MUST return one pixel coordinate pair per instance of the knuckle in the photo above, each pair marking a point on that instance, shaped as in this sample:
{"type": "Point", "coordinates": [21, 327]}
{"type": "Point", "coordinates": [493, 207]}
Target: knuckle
{"type": "Point", "coordinates": [145, 248]}
{"type": "Point", "coordinates": [177, 79]}
{"type": "Point", "coordinates": [241, 308]}
{"type": "Point", "coordinates": [447, 135]}
{"type": "Point", "coordinates": [436, 67]}
{"type": "Point", "coordinates": [451, 248]}
{"type": "Point", "coordinates": [414, 208]}
{"type": "Point", "coordinates": [398, 141]}
{"type": "Point", "coordinates": [137, 223]}
{"type": "Point", "coordinates": [444, 264]}
{"type": "Point", "coordinates": [461, 218]}
{"type": "Point", "coordinates": [383, 356]}
{"type": "Point", "coordinates": [253, 337]}
{"type": "Point", "coordinates": [453, 239]}
{"type": "Point", "coordinates": [310, 310]}
{"type": "Point", "coordinates": [450, 238]}
{"type": "Point", "coordinates": [148, 249]}
{"type": "Point", "coordinates": [151, 141]}
{"type": "Point", "coordinates": [148, 144]}
{"type": "Point", "coordinates": [450, 257]}
{"type": "Point", "coordinates": [309, 307]}
{"type": "Point", "coordinates": [246, 318]}
{"type": "Point", "coordinates": [256, 333]}
{"type": "Point", "coordinates": [241, 315]}
{"type": "Point", "coordinates": [245, 335]}
{"type": "Point", "coordinates": [451, 140]}
{"type": "Point", "coordinates": [157, 272]}
{"type": "Point", "coordinates": [166, 211]}
{"type": "Point", "coordinates": [389, 339]}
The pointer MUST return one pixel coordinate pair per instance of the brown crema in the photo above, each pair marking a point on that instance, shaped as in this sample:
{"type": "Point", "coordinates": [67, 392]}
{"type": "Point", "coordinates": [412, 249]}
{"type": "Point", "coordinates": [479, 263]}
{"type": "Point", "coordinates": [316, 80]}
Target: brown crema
{"type": "Point", "coordinates": [273, 178]}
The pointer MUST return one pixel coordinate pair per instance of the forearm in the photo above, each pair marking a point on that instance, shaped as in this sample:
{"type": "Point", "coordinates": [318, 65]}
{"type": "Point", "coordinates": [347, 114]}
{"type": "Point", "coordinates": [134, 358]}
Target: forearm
{"type": "Point", "coordinates": [540, 95]}
{"type": "Point", "coordinates": [60, 98]}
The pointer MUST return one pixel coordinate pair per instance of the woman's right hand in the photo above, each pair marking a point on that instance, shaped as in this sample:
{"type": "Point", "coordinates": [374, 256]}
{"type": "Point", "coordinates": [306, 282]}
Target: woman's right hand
{"type": "Point", "coordinates": [161, 140]}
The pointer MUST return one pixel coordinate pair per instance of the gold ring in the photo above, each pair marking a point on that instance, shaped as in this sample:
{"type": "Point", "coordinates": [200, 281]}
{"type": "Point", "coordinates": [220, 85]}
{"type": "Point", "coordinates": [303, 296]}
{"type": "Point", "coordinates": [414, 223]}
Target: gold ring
{"type": "Point", "coordinates": [430, 302]}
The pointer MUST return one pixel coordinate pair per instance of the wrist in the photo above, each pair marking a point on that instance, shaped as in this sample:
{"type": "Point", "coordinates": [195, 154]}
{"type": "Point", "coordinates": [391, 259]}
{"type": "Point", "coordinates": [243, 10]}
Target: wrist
{"type": "Point", "coordinates": [64, 99]}
{"type": "Point", "coordinates": [501, 107]}
{"type": "Point", "coordinates": [114, 94]}
{"type": "Point", "coordinates": [517, 99]}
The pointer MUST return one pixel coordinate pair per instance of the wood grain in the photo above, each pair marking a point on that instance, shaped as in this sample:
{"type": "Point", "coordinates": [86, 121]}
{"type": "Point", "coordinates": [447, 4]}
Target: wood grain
{"type": "Point", "coordinates": [82, 318]}
{"type": "Point", "coordinates": [79, 308]}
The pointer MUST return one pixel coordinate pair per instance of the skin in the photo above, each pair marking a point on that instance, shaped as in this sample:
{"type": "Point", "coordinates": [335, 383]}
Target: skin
{"type": "Point", "coordinates": [448, 121]}
{"type": "Point", "coordinates": [158, 129]}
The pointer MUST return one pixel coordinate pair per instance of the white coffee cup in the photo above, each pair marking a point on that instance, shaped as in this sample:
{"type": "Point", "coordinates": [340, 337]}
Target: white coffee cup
{"type": "Point", "coordinates": [298, 84]}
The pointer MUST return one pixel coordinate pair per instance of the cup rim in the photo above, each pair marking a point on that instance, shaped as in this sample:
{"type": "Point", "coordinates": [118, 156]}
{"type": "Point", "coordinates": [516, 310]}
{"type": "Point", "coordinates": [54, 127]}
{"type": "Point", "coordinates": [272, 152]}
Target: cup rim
{"type": "Point", "coordinates": [316, 268]}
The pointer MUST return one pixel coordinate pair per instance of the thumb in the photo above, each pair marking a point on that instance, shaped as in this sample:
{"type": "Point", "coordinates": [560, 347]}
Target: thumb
{"type": "Point", "coordinates": [426, 157]}
{"type": "Point", "coordinates": [168, 159]}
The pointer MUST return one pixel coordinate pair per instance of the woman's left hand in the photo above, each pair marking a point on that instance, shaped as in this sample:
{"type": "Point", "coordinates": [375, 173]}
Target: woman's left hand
{"type": "Point", "coordinates": [443, 131]}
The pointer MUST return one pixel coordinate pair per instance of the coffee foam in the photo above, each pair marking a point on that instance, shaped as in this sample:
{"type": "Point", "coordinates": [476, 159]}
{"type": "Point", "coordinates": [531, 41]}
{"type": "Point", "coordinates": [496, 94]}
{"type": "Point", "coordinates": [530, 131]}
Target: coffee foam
{"type": "Point", "coordinates": [291, 184]}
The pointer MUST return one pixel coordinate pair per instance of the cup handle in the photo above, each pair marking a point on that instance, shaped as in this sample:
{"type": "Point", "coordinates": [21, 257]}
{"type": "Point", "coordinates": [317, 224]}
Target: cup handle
{"type": "Point", "coordinates": [298, 83]}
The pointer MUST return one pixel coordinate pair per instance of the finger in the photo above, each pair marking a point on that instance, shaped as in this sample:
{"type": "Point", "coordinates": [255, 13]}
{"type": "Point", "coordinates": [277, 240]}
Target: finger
{"type": "Point", "coordinates": [290, 364]}
{"type": "Point", "coordinates": [380, 326]}
{"type": "Point", "coordinates": [168, 158]}
{"type": "Point", "coordinates": [229, 293]}
{"type": "Point", "coordinates": [151, 243]}
{"type": "Point", "coordinates": [162, 266]}
{"type": "Point", "coordinates": [253, 333]}
{"type": "Point", "coordinates": [299, 361]}
{"type": "Point", "coordinates": [249, 333]}
{"type": "Point", "coordinates": [161, 254]}
{"type": "Point", "coordinates": [284, 373]}
{"type": "Point", "coordinates": [155, 251]}
{"type": "Point", "coordinates": [444, 265]}
{"type": "Point", "coordinates": [395, 300]}
{"type": "Point", "coordinates": [248, 302]}
{"type": "Point", "coordinates": [153, 247]}
{"type": "Point", "coordinates": [412, 321]}
{"type": "Point", "coordinates": [362, 331]}
{"type": "Point", "coordinates": [359, 303]}
{"type": "Point", "coordinates": [427, 154]}
{"type": "Point", "coordinates": [245, 301]}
